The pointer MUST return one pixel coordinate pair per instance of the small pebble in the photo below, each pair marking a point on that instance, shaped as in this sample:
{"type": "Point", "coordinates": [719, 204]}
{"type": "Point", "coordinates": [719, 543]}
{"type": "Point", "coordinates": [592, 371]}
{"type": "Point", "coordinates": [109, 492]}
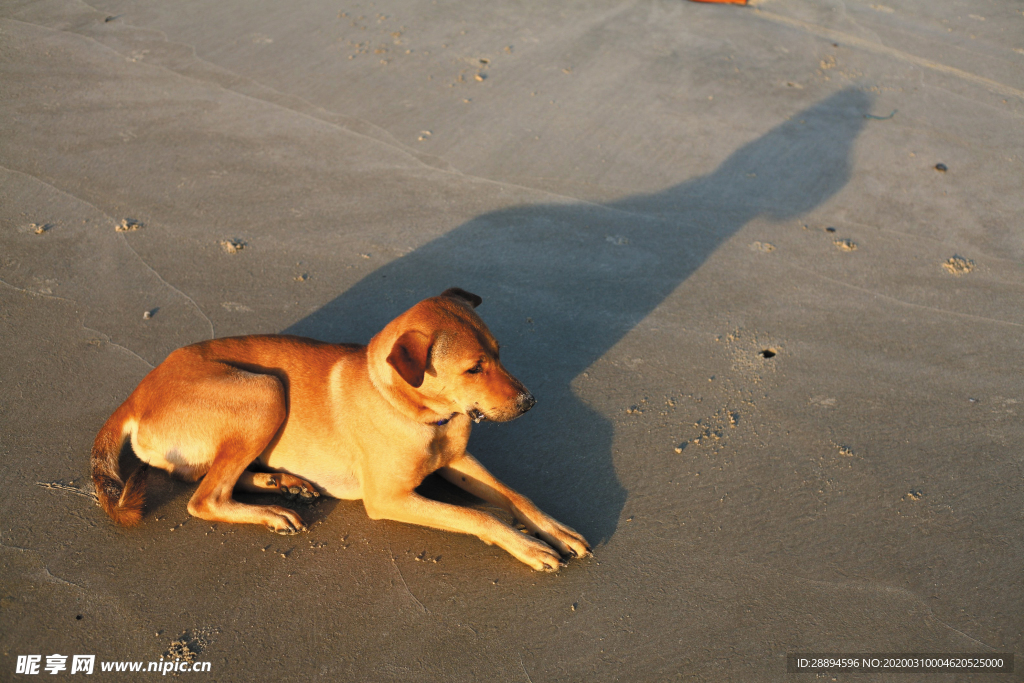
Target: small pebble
{"type": "Point", "coordinates": [233, 246]}
{"type": "Point", "coordinates": [128, 225]}
{"type": "Point", "coordinates": [942, 168]}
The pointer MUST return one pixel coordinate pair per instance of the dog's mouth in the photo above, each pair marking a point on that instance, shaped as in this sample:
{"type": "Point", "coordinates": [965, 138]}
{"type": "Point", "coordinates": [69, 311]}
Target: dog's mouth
{"type": "Point", "coordinates": [476, 415]}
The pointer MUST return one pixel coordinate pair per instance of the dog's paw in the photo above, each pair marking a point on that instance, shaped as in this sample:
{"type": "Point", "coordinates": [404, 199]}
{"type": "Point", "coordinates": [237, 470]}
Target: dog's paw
{"type": "Point", "coordinates": [568, 541]}
{"type": "Point", "coordinates": [293, 488]}
{"type": "Point", "coordinates": [535, 553]}
{"type": "Point", "coordinates": [302, 493]}
{"type": "Point", "coordinates": [283, 521]}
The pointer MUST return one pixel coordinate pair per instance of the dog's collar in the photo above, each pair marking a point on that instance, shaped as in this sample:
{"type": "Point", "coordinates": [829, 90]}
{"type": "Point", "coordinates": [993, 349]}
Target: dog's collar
{"type": "Point", "coordinates": [441, 423]}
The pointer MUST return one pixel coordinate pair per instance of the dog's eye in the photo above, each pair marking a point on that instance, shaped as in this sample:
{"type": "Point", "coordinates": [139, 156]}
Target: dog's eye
{"type": "Point", "coordinates": [476, 369]}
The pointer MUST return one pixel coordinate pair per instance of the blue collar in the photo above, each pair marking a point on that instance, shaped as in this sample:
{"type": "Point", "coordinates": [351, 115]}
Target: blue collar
{"type": "Point", "coordinates": [443, 422]}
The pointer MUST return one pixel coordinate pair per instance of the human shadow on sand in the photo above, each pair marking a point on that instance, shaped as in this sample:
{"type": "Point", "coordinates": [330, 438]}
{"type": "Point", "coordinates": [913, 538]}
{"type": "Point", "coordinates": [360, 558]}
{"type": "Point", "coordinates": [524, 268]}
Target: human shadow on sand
{"type": "Point", "coordinates": [563, 283]}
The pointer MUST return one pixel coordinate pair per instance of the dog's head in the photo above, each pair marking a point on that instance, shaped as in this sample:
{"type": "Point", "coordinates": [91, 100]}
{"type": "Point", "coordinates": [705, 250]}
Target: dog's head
{"type": "Point", "coordinates": [438, 359]}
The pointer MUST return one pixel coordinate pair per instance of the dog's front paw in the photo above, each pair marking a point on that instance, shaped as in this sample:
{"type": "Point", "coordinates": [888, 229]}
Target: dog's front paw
{"type": "Point", "coordinates": [535, 553]}
{"type": "Point", "coordinates": [567, 541]}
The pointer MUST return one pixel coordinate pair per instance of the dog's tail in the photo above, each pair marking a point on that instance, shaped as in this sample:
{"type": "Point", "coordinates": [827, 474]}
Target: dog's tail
{"type": "Point", "coordinates": [123, 501]}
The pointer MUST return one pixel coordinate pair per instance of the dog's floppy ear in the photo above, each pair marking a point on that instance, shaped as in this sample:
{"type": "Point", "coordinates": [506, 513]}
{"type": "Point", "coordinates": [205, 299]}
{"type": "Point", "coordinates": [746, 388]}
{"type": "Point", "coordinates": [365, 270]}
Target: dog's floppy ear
{"type": "Point", "coordinates": [410, 355]}
{"type": "Point", "coordinates": [457, 293]}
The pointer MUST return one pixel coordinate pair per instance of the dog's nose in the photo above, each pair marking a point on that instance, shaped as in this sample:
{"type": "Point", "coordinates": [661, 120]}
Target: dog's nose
{"type": "Point", "coordinates": [525, 402]}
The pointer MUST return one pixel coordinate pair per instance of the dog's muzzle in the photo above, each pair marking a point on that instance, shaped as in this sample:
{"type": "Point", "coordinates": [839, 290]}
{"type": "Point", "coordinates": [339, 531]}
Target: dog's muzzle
{"type": "Point", "coordinates": [523, 403]}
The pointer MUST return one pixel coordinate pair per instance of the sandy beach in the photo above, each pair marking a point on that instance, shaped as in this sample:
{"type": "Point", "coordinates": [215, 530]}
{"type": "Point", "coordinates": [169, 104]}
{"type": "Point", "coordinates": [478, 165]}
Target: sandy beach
{"type": "Point", "coordinates": [762, 266]}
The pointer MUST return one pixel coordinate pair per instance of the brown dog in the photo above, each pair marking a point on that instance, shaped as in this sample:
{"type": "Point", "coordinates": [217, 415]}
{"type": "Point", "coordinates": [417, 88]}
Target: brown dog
{"type": "Point", "coordinates": [354, 422]}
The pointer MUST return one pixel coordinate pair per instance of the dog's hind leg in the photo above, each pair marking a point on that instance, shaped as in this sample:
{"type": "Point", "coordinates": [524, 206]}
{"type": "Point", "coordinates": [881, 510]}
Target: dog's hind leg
{"type": "Point", "coordinates": [254, 426]}
{"type": "Point", "coordinates": [212, 500]}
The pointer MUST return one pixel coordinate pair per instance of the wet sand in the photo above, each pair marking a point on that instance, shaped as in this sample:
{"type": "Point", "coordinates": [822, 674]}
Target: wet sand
{"type": "Point", "coordinates": [761, 267]}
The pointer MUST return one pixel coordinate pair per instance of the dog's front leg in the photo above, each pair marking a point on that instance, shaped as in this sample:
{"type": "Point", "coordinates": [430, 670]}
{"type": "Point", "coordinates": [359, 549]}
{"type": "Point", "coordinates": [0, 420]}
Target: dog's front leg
{"type": "Point", "coordinates": [467, 473]}
{"type": "Point", "coordinates": [413, 508]}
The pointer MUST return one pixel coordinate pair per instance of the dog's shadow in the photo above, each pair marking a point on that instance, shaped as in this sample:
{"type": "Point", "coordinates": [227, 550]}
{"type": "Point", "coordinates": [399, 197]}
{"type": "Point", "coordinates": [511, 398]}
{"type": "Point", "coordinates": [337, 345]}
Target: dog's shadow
{"type": "Point", "coordinates": [563, 283]}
